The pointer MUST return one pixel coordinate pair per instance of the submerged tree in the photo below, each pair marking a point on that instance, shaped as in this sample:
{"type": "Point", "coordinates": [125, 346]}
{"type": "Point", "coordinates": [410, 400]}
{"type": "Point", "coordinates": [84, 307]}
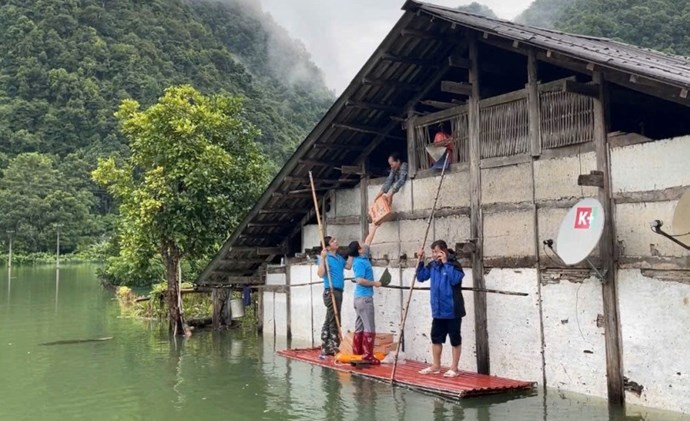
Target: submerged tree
{"type": "Point", "coordinates": [193, 172]}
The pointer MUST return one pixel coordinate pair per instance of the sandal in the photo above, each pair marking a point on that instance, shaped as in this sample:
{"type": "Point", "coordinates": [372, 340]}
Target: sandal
{"type": "Point", "coordinates": [451, 373]}
{"type": "Point", "coordinates": [429, 370]}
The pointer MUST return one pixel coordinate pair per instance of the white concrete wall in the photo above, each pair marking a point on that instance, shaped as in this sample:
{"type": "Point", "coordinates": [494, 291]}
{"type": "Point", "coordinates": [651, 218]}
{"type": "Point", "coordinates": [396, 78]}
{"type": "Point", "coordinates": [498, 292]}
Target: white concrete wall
{"type": "Point", "coordinates": [655, 318]}
{"type": "Point", "coordinates": [513, 324]}
{"type": "Point", "coordinates": [654, 311]}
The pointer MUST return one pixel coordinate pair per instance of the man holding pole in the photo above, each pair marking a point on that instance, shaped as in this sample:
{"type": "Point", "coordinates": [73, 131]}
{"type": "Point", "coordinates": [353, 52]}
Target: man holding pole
{"type": "Point", "coordinates": [332, 270]}
{"type": "Point", "coordinates": [447, 304]}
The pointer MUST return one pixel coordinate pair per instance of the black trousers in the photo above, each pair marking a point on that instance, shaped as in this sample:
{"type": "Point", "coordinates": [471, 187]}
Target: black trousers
{"type": "Point", "coordinates": [330, 337]}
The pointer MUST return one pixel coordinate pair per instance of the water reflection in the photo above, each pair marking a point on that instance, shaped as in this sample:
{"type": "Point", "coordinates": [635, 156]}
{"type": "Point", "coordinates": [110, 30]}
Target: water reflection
{"type": "Point", "coordinates": [57, 288]}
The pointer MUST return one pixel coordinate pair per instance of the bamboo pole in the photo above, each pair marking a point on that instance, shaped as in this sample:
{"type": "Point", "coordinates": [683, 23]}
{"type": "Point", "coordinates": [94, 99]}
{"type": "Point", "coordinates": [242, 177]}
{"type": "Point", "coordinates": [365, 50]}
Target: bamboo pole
{"type": "Point", "coordinates": [414, 279]}
{"type": "Point", "coordinates": [323, 244]}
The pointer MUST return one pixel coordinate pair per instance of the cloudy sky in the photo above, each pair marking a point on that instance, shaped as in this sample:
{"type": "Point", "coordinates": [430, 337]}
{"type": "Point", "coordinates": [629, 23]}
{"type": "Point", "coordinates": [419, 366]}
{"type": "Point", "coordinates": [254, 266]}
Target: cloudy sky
{"type": "Point", "coordinates": [342, 34]}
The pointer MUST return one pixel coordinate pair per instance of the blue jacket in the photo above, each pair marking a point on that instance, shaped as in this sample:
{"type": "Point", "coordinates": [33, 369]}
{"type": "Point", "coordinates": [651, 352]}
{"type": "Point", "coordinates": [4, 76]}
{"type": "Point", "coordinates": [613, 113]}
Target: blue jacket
{"type": "Point", "coordinates": [446, 280]}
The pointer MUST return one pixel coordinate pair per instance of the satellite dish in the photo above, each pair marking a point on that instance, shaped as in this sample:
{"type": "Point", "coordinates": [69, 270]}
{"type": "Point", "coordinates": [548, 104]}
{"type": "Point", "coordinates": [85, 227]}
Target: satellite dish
{"type": "Point", "coordinates": [436, 152]}
{"type": "Point", "coordinates": [681, 217]}
{"type": "Point", "coordinates": [580, 231]}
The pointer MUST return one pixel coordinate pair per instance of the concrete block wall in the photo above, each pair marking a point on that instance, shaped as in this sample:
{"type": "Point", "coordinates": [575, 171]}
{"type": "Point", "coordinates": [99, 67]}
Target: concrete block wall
{"type": "Point", "coordinates": [654, 290]}
{"type": "Point", "coordinates": [654, 302]}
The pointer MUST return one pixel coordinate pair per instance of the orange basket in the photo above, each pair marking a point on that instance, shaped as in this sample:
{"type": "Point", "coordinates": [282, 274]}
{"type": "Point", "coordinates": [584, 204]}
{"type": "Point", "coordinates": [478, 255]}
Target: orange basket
{"type": "Point", "coordinates": [380, 212]}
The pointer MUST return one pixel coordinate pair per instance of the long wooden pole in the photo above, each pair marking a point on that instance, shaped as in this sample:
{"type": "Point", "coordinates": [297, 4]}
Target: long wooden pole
{"type": "Point", "coordinates": [419, 258]}
{"type": "Point", "coordinates": [323, 244]}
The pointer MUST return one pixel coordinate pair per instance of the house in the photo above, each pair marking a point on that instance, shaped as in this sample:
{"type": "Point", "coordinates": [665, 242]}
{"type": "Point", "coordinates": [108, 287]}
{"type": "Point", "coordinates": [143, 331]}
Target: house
{"type": "Point", "coordinates": [532, 113]}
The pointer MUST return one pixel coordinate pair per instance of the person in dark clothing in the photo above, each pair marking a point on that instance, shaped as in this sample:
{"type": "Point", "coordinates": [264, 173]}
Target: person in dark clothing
{"type": "Point", "coordinates": [447, 304]}
{"type": "Point", "coordinates": [396, 178]}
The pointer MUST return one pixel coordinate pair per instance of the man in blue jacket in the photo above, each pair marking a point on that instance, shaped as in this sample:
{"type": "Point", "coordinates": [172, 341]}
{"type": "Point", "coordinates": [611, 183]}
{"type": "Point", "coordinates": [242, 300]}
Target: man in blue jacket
{"type": "Point", "coordinates": [447, 304]}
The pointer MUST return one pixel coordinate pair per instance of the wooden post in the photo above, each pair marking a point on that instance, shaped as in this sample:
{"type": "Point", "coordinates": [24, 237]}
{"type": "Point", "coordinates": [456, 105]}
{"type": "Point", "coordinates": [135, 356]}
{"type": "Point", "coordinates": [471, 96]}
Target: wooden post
{"type": "Point", "coordinates": [476, 222]}
{"type": "Point", "coordinates": [533, 104]}
{"type": "Point", "coordinates": [217, 306]}
{"type": "Point", "coordinates": [260, 312]}
{"type": "Point", "coordinates": [612, 334]}
{"type": "Point", "coordinates": [288, 302]}
{"type": "Point", "coordinates": [364, 198]}
{"type": "Point", "coordinates": [411, 143]}
{"type": "Point", "coordinates": [535, 149]}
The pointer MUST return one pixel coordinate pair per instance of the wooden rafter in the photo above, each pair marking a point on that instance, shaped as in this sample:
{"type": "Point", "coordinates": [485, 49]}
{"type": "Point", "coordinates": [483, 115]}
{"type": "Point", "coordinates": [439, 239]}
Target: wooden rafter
{"type": "Point", "coordinates": [458, 88]}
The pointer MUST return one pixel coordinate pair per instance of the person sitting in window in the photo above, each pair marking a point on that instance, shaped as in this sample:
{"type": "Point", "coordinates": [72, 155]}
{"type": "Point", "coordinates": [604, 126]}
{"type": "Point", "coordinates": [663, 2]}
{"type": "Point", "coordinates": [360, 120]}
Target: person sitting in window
{"type": "Point", "coordinates": [442, 138]}
{"type": "Point", "coordinates": [396, 178]}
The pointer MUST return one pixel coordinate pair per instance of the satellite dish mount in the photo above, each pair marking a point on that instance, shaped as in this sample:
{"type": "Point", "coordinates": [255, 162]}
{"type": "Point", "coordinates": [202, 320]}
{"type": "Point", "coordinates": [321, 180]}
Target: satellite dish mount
{"type": "Point", "coordinates": [680, 225]}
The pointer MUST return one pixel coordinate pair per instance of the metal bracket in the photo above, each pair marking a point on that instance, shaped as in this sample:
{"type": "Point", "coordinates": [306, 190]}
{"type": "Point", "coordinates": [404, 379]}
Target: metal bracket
{"type": "Point", "coordinates": [656, 227]}
{"type": "Point", "coordinates": [600, 275]}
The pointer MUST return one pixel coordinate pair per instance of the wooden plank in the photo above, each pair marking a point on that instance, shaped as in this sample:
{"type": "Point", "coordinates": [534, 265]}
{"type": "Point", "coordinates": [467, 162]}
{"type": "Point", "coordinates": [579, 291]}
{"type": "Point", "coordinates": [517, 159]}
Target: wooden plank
{"type": "Point", "coordinates": [264, 225]}
{"type": "Point", "coordinates": [438, 104]}
{"type": "Point", "coordinates": [458, 62]}
{"type": "Point", "coordinates": [458, 88]}
{"type": "Point", "coordinates": [666, 195]}
{"type": "Point", "coordinates": [280, 195]}
{"type": "Point", "coordinates": [389, 84]}
{"type": "Point", "coordinates": [364, 201]}
{"type": "Point", "coordinates": [533, 104]}
{"type": "Point", "coordinates": [593, 179]}
{"type": "Point", "coordinates": [612, 334]}
{"type": "Point", "coordinates": [476, 224]}
{"type": "Point", "coordinates": [441, 115]}
{"type": "Point", "coordinates": [587, 89]}
{"type": "Point", "coordinates": [504, 161]}
{"type": "Point", "coordinates": [408, 60]}
{"type": "Point", "coordinates": [286, 211]}
{"type": "Point", "coordinates": [339, 146]}
{"type": "Point", "coordinates": [363, 129]}
{"type": "Point", "coordinates": [503, 98]}
{"type": "Point", "coordinates": [411, 155]}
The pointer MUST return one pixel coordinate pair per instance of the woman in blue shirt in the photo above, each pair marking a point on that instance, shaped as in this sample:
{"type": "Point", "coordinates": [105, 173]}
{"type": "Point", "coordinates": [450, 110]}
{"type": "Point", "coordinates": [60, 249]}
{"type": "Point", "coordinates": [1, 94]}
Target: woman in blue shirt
{"type": "Point", "coordinates": [365, 328]}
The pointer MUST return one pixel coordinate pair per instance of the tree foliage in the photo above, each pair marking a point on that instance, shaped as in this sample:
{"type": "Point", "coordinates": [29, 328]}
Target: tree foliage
{"type": "Point", "coordinates": [66, 65]}
{"type": "Point", "coordinates": [194, 170]}
{"type": "Point", "coordinates": [657, 24]}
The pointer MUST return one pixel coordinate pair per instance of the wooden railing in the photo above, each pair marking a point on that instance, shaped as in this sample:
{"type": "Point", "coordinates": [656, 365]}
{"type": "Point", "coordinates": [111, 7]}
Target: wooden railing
{"type": "Point", "coordinates": [566, 119]}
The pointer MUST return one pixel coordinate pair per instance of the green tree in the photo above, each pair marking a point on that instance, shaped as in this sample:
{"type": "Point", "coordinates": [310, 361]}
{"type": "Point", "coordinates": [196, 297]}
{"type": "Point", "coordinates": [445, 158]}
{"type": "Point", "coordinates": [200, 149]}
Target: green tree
{"type": "Point", "coordinates": [35, 196]}
{"type": "Point", "coordinates": [193, 172]}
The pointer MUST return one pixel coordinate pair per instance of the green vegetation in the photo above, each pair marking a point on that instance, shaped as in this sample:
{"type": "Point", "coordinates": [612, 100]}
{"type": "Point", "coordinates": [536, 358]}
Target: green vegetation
{"type": "Point", "coordinates": [67, 65]}
{"type": "Point", "coordinates": [658, 24]}
{"type": "Point", "coordinates": [478, 9]}
{"type": "Point", "coordinates": [193, 172]}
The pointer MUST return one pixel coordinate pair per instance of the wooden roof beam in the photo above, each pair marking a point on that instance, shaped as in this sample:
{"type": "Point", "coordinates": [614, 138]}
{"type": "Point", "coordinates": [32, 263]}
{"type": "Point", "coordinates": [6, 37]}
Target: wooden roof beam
{"type": "Point", "coordinates": [412, 33]}
{"type": "Point", "coordinates": [438, 104]}
{"type": "Point", "coordinates": [280, 195]}
{"type": "Point", "coordinates": [586, 89]}
{"type": "Point", "coordinates": [458, 88]}
{"type": "Point", "coordinates": [259, 251]}
{"type": "Point", "coordinates": [264, 225]}
{"type": "Point", "coordinates": [385, 83]}
{"type": "Point", "coordinates": [406, 60]}
{"type": "Point", "coordinates": [365, 129]}
{"type": "Point", "coordinates": [373, 106]}
{"type": "Point", "coordinates": [354, 148]}
{"type": "Point", "coordinates": [283, 211]}
{"type": "Point", "coordinates": [458, 62]}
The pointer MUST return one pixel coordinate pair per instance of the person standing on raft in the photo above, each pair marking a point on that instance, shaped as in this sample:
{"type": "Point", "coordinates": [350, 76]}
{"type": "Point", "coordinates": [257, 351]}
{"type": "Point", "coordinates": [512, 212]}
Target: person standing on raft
{"type": "Point", "coordinates": [330, 334]}
{"type": "Point", "coordinates": [365, 327]}
{"type": "Point", "coordinates": [447, 304]}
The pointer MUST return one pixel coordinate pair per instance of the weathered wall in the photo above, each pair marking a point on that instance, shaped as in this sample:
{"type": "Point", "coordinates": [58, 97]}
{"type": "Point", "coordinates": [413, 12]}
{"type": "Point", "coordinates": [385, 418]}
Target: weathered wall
{"type": "Point", "coordinates": [561, 316]}
{"type": "Point", "coordinates": [654, 303]}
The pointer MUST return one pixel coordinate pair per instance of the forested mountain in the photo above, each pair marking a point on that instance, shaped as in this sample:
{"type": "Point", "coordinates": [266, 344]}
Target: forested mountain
{"type": "Point", "coordinates": [65, 65]}
{"type": "Point", "coordinates": [658, 24]}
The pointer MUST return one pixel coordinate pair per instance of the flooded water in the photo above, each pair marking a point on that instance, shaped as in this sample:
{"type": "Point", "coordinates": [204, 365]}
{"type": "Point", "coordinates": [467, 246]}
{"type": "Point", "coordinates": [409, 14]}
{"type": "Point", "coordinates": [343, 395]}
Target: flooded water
{"type": "Point", "coordinates": [141, 374]}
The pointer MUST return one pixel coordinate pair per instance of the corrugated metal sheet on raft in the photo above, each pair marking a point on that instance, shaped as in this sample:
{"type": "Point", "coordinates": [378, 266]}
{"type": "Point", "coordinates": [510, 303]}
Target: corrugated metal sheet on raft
{"type": "Point", "coordinates": [466, 385]}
